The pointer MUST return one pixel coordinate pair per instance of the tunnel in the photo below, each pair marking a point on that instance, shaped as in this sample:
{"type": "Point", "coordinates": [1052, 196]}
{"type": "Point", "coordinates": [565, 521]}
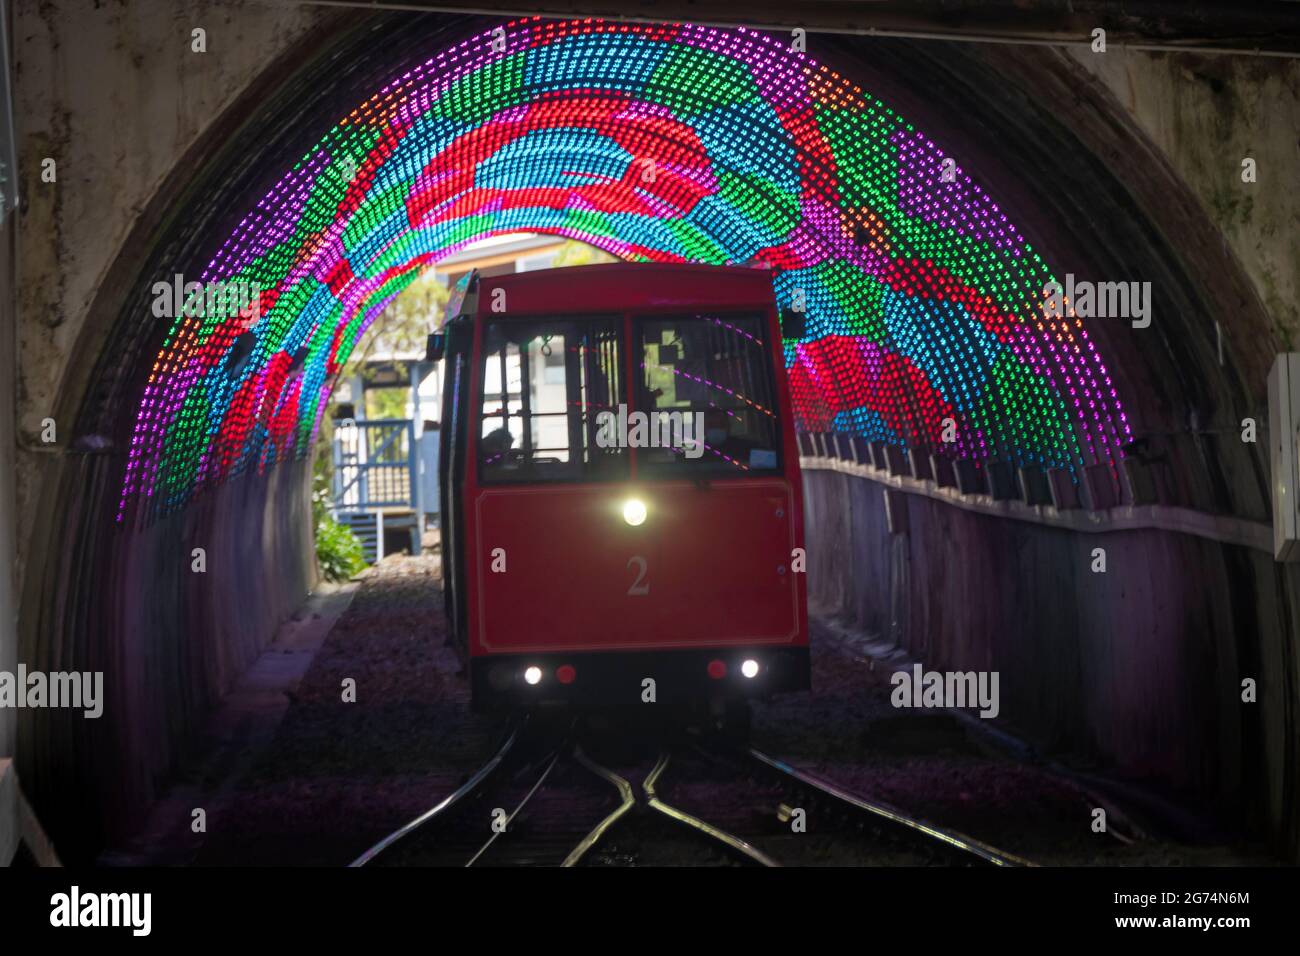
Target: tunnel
{"type": "Point", "coordinates": [992, 481]}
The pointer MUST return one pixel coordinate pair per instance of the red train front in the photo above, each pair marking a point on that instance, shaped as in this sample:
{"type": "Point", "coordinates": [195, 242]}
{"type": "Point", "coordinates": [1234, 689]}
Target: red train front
{"type": "Point", "coordinates": [622, 510]}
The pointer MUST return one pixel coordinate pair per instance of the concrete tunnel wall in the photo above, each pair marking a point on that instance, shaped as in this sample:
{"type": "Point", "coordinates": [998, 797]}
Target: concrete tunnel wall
{"type": "Point", "coordinates": [237, 130]}
{"type": "Point", "coordinates": [170, 640]}
{"type": "Point", "coordinates": [124, 599]}
{"type": "Point", "coordinates": [1136, 671]}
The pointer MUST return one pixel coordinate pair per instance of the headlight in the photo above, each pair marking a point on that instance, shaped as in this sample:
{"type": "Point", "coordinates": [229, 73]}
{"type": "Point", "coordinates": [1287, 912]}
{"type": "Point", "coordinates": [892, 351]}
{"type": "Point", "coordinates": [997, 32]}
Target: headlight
{"type": "Point", "coordinates": [749, 668]}
{"type": "Point", "coordinates": [533, 675]}
{"type": "Point", "coordinates": [634, 511]}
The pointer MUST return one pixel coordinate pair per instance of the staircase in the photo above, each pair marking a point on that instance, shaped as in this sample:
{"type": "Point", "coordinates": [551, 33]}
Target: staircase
{"type": "Point", "coordinates": [366, 525]}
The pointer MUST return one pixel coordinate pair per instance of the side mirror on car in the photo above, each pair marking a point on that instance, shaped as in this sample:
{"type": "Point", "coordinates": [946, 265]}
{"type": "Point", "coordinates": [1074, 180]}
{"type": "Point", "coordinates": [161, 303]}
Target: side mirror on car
{"type": "Point", "coordinates": [793, 325]}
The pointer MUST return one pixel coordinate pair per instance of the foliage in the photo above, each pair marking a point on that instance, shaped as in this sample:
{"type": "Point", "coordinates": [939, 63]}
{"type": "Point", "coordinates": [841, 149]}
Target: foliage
{"type": "Point", "coordinates": [338, 552]}
{"type": "Point", "coordinates": [387, 402]}
{"type": "Point", "coordinates": [574, 253]}
{"type": "Point", "coordinates": [403, 327]}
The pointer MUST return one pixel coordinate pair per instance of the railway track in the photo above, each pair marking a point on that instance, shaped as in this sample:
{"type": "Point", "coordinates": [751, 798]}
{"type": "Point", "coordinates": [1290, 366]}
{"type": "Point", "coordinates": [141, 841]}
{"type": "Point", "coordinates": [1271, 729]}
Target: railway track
{"type": "Point", "coordinates": [443, 807]}
{"type": "Point", "coordinates": [626, 802]}
{"type": "Point", "coordinates": [962, 846]}
{"type": "Point", "coordinates": [569, 809]}
{"type": "Point", "coordinates": [728, 840]}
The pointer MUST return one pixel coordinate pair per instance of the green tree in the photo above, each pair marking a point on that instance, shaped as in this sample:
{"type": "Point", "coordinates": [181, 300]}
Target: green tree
{"type": "Point", "coordinates": [574, 253]}
{"type": "Point", "coordinates": [387, 402]}
{"type": "Point", "coordinates": [403, 327]}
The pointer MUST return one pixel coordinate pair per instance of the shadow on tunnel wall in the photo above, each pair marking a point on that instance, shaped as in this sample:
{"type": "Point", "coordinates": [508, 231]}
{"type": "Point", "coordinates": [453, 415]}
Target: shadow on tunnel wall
{"type": "Point", "coordinates": [177, 612]}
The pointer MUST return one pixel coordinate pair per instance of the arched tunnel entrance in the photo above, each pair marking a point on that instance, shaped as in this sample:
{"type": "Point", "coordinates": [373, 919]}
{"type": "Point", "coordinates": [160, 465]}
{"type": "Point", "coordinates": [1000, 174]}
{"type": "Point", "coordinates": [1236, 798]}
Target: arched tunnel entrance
{"type": "Point", "coordinates": [994, 482]}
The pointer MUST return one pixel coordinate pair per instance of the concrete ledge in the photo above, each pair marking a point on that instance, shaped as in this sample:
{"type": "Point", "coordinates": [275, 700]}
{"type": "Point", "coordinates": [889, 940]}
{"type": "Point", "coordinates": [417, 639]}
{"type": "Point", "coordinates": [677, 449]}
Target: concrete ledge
{"type": "Point", "coordinates": [1222, 528]}
{"type": "Point", "coordinates": [237, 734]}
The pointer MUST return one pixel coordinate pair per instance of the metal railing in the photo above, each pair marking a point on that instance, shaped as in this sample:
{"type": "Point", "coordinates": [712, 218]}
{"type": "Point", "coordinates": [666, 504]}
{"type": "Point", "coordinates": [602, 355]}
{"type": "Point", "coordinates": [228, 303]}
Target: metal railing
{"type": "Point", "coordinates": [376, 465]}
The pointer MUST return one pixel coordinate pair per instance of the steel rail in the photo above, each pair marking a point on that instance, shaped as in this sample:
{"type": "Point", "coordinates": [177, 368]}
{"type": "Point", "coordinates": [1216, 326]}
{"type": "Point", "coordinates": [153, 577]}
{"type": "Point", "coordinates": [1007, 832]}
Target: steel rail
{"type": "Point", "coordinates": [950, 838]}
{"type": "Point", "coordinates": [722, 836]}
{"type": "Point", "coordinates": [555, 757]}
{"type": "Point", "coordinates": [464, 790]}
{"type": "Point", "coordinates": [627, 801]}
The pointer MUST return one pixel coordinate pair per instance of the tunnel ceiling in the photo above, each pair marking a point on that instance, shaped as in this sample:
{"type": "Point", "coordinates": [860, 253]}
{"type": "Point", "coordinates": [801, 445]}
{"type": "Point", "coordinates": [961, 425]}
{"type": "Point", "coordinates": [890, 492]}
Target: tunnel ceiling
{"type": "Point", "coordinates": [655, 143]}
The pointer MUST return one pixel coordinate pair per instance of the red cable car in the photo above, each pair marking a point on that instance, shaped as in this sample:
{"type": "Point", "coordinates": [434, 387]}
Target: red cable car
{"type": "Point", "coordinates": [621, 501]}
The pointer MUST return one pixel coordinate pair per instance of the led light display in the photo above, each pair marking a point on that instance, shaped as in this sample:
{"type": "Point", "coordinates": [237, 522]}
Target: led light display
{"type": "Point", "coordinates": [653, 142]}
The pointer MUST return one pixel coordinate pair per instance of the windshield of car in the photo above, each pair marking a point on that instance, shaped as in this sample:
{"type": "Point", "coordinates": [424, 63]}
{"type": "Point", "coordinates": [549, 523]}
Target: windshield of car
{"type": "Point", "coordinates": [544, 384]}
{"type": "Point", "coordinates": [706, 380]}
